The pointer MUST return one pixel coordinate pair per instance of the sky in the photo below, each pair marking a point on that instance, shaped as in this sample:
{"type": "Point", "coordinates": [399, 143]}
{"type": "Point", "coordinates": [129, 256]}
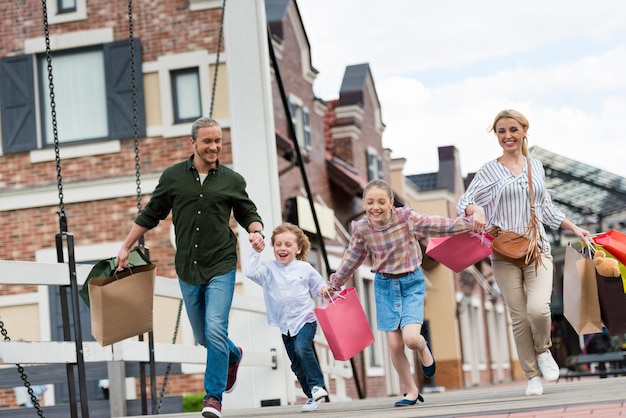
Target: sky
{"type": "Point", "coordinates": [444, 68]}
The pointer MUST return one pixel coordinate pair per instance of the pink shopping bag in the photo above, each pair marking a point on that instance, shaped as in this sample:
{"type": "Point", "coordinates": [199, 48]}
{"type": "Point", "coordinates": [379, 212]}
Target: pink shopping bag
{"type": "Point", "coordinates": [345, 325]}
{"type": "Point", "coordinates": [457, 252]}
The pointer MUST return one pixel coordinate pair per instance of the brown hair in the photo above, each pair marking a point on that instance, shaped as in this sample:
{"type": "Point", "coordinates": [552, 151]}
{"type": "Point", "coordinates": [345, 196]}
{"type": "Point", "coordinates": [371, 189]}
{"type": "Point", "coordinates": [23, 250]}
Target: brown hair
{"type": "Point", "coordinates": [517, 116]}
{"type": "Point", "coordinates": [303, 241]}
{"type": "Point", "coordinates": [381, 184]}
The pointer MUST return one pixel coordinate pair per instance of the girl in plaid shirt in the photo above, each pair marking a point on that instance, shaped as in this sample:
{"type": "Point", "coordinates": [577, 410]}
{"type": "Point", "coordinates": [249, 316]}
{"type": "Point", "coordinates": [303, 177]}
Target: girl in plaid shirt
{"type": "Point", "coordinates": [389, 235]}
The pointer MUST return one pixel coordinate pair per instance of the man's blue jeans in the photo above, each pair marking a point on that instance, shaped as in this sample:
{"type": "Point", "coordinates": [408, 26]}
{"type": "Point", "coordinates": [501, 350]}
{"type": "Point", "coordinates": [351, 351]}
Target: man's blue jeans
{"type": "Point", "coordinates": [303, 361]}
{"type": "Point", "coordinates": [208, 306]}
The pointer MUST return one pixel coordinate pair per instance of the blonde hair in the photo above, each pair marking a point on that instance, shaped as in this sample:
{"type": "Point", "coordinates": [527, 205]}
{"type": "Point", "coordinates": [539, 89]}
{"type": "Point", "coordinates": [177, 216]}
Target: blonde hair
{"type": "Point", "coordinates": [519, 118]}
{"type": "Point", "coordinates": [303, 241]}
{"type": "Point", "coordinates": [203, 122]}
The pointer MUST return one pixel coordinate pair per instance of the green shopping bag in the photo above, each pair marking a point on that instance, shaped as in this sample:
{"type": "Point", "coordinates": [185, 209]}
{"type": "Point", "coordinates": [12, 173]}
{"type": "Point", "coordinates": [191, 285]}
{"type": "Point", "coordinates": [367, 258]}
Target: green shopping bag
{"type": "Point", "coordinates": [106, 268]}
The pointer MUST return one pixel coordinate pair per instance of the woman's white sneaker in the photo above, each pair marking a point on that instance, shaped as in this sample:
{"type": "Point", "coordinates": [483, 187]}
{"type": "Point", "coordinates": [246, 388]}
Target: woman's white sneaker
{"type": "Point", "coordinates": [535, 387]}
{"type": "Point", "coordinates": [547, 365]}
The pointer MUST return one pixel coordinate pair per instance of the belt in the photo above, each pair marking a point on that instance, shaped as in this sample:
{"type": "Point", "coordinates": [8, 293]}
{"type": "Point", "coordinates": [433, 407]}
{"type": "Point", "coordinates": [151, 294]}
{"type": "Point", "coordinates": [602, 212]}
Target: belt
{"type": "Point", "coordinates": [394, 276]}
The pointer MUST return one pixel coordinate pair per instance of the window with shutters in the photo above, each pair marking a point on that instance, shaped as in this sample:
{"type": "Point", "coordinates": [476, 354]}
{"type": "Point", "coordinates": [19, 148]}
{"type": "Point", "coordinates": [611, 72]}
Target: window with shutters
{"type": "Point", "coordinates": [92, 96]}
{"type": "Point", "coordinates": [374, 164]}
{"type": "Point", "coordinates": [300, 120]}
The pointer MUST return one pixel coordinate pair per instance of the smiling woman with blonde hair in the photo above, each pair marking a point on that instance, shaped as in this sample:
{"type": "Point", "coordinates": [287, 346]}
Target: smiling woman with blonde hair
{"type": "Point", "coordinates": [498, 198]}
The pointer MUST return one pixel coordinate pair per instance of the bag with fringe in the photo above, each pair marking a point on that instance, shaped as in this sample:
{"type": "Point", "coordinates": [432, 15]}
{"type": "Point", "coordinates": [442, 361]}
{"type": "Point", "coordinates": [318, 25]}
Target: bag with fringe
{"type": "Point", "coordinates": [520, 249]}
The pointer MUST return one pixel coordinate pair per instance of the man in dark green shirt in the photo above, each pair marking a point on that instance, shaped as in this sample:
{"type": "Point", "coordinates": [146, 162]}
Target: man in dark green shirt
{"type": "Point", "coordinates": [201, 194]}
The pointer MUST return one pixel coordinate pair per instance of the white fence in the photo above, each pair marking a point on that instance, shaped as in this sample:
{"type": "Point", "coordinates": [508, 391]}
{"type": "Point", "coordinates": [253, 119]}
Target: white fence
{"type": "Point", "coordinates": [257, 362]}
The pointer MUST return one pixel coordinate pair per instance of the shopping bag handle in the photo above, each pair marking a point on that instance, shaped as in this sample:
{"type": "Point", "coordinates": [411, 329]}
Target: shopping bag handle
{"type": "Point", "coordinates": [330, 297]}
{"type": "Point", "coordinates": [129, 268]}
{"type": "Point", "coordinates": [586, 249]}
{"type": "Point", "coordinates": [481, 237]}
{"type": "Point", "coordinates": [590, 250]}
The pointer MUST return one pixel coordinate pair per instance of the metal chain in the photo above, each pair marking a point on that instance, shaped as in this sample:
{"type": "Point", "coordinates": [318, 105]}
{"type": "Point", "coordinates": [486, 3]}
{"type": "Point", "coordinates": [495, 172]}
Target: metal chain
{"type": "Point", "coordinates": [134, 90]}
{"type": "Point", "coordinates": [217, 60]}
{"type": "Point", "coordinates": [22, 373]}
{"type": "Point", "coordinates": [53, 112]}
{"type": "Point", "coordinates": [169, 365]}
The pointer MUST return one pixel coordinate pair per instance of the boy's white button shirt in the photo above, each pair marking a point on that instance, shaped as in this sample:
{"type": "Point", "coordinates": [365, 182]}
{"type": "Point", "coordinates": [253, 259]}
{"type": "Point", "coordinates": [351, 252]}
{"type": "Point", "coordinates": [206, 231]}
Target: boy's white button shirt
{"type": "Point", "coordinates": [287, 290]}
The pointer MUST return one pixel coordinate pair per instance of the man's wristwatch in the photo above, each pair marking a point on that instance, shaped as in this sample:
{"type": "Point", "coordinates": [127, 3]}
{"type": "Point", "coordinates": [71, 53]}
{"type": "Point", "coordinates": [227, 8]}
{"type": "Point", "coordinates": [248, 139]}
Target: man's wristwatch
{"type": "Point", "coordinates": [259, 231]}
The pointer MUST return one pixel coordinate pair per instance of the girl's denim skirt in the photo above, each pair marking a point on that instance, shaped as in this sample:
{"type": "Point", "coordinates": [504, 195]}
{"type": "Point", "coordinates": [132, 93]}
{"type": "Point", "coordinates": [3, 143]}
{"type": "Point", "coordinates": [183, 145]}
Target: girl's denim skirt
{"type": "Point", "coordinates": [399, 301]}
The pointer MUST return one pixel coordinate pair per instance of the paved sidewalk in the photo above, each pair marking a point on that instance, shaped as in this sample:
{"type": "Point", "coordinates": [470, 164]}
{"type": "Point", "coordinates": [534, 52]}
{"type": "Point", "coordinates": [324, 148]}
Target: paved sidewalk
{"type": "Point", "coordinates": [588, 397]}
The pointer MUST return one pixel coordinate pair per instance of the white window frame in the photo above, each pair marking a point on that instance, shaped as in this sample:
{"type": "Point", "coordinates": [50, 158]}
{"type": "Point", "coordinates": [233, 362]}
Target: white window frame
{"type": "Point", "coordinates": [374, 169]}
{"type": "Point", "coordinates": [163, 66]}
{"type": "Point", "coordinates": [299, 115]}
{"type": "Point", "coordinates": [67, 41]}
{"type": "Point", "coordinates": [496, 321]}
{"type": "Point", "coordinates": [204, 4]}
{"type": "Point", "coordinates": [178, 104]}
{"type": "Point", "coordinates": [98, 104]}
{"type": "Point", "coordinates": [54, 17]}
{"type": "Point", "coordinates": [373, 353]}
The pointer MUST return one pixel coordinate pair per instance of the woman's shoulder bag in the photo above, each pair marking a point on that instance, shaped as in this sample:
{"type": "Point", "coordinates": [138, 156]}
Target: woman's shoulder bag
{"type": "Point", "coordinates": [520, 249]}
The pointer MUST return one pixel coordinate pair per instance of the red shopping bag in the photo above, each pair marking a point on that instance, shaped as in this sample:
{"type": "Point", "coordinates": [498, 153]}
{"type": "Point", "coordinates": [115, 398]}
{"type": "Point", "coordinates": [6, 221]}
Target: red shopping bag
{"type": "Point", "coordinates": [457, 252]}
{"type": "Point", "coordinates": [345, 325]}
{"type": "Point", "coordinates": [614, 242]}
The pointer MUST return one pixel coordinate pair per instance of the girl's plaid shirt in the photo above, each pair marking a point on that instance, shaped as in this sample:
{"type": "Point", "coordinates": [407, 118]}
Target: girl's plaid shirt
{"type": "Point", "coordinates": [393, 248]}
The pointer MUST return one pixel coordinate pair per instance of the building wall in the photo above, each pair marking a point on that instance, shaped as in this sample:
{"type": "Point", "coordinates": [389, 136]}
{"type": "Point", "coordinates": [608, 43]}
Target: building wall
{"type": "Point", "coordinates": [101, 216]}
{"type": "Point", "coordinates": [160, 29]}
{"type": "Point", "coordinates": [292, 67]}
{"type": "Point", "coordinates": [99, 213]}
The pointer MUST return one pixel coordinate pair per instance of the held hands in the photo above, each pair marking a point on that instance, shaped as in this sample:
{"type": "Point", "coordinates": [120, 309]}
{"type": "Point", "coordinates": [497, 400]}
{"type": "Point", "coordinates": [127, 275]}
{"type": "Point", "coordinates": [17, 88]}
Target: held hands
{"type": "Point", "coordinates": [327, 291]}
{"type": "Point", "coordinates": [257, 241]}
{"type": "Point", "coordinates": [479, 221]}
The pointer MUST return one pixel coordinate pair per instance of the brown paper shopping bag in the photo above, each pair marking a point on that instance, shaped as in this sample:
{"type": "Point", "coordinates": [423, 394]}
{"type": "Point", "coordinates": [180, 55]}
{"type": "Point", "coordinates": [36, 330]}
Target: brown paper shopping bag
{"type": "Point", "coordinates": [121, 305]}
{"type": "Point", "coordinates": [580, 293]}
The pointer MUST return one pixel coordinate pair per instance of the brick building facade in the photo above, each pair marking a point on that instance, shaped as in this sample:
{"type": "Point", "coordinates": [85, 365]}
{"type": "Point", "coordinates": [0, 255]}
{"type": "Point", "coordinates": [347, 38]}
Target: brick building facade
{"type": "Point", "coordinates": [175, 42]}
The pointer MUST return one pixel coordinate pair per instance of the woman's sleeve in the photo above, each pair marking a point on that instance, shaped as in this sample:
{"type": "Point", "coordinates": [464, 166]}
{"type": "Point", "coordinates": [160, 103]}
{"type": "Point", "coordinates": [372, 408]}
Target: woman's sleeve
{"type": "Point", "coordinates": [481, 191]}
{"type": "Point", "coordinates": [549, 214]}
{"type": "Point", "coordinates": [469, 197]}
